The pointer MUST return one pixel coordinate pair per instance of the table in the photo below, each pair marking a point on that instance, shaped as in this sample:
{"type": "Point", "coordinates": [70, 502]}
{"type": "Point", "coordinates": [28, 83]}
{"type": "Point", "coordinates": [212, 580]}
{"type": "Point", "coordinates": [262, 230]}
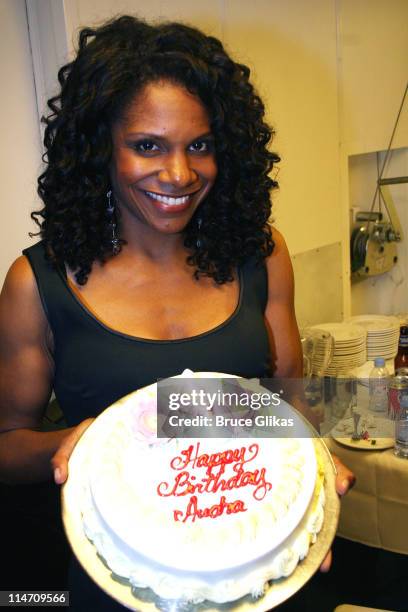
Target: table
{"type": "Point", "coordinates": [375, 511]}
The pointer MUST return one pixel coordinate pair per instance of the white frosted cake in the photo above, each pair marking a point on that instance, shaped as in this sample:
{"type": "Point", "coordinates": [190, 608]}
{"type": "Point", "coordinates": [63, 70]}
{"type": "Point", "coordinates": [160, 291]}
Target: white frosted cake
{"type": "Point", "coordinates": [199, 519]}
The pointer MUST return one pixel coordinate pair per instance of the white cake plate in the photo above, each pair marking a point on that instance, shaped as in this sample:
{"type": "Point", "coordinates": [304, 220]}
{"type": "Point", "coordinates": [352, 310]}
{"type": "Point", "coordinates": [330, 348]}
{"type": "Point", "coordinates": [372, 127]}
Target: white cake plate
{"type": "Point", "coordinates": [144, 599]}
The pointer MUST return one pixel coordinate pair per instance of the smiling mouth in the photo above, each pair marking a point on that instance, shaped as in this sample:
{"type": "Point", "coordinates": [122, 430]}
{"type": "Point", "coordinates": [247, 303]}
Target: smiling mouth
{"type": "Point", "coordinates": [170, 200]}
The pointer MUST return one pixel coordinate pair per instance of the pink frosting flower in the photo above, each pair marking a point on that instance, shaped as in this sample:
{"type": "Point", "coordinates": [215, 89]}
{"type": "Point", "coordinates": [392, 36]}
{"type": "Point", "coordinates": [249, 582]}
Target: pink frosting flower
{"type": "Point", "coordinates": [144, 420]}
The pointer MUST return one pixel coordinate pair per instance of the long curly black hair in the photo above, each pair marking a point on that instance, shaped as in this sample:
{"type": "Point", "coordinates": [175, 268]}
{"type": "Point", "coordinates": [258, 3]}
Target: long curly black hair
{"type": "Point", "coordinates": [114, 62]}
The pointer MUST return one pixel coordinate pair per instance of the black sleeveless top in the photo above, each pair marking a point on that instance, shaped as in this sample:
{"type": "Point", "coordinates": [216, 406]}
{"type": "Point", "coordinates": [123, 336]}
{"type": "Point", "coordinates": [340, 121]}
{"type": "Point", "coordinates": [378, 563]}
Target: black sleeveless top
{"type": "Point", "coordinates": [96, 365]}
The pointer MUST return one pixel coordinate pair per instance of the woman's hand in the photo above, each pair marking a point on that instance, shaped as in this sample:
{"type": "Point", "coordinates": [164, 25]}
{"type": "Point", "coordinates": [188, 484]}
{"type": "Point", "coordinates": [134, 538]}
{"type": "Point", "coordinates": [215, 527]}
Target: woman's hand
{"type": "Point", "coordinates": [59, 461]}
{"type": "Point", "coordinates": [345, 480]}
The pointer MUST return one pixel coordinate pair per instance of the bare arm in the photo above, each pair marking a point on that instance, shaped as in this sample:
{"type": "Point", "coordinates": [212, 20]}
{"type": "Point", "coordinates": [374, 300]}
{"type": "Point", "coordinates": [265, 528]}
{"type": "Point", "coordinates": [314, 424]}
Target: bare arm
{"type": "Point", "coordinates": [26, 373]}
{"type": "Point", "coordinates": [284, 340]}
{"type": "Point", "coordinates": [280, 316]}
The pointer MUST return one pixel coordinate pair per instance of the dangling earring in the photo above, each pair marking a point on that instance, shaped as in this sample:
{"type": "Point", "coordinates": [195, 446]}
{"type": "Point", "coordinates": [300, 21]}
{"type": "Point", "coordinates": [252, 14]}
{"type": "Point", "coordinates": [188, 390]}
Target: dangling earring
{"type": "Point", "coordinates": [198, 241]}
{"type": "Point", "coordinates": [110, 209]}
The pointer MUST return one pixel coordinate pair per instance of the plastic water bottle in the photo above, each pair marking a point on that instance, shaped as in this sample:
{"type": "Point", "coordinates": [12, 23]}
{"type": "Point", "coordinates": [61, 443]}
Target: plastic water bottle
{"type": "Point", "coordinates": [378, 386]}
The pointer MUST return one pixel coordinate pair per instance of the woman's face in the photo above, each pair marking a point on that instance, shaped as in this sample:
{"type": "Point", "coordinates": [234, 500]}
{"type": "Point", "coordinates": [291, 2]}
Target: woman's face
{"type": "Point", "coordinates": [163, 164]}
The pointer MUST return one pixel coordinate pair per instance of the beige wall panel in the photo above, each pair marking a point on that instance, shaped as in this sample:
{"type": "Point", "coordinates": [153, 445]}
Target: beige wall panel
{"type": "Point", "coordinates": [374, 71]}
{"type": "Point", "coordinates": [20, 141]}
{"type": "Point", "coordinates": [291, 47]}
{"type": "Point", "coordinates": [318, 282]}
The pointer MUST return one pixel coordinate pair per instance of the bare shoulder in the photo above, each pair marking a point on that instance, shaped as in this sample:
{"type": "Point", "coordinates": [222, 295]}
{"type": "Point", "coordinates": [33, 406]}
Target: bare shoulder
{"type": "Point", "coordinates": [20, 276]}
{"type": "Point", "coordinates": [279, 240]}
{"type": "Point", "coordinates": [20, 288]}
{"type": "Point", "coordinates": [279, 267]}
{"type": "Point", "coordinates": [22, 316]}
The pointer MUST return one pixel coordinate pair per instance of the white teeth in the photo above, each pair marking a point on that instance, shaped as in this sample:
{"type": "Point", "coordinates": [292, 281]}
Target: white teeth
{"type": "Point", "coordinates": [168, 199]}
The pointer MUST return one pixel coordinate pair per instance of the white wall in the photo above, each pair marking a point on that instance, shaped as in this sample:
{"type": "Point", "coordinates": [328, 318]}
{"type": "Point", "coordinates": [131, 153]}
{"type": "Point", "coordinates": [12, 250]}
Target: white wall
{"type": "Point", "coordinates": [20, 141]}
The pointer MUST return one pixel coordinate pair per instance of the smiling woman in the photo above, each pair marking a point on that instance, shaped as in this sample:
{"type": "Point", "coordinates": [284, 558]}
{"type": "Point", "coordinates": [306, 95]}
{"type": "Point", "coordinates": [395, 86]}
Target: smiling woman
{"type": "Point", "coordinates": [156, 252]}
{"type": "Point", "coordinates": [163, 163]}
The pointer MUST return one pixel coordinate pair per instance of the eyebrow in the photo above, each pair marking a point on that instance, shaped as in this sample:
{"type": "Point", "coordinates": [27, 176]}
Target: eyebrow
{"type": "Point", "coordinates": [160, 137]}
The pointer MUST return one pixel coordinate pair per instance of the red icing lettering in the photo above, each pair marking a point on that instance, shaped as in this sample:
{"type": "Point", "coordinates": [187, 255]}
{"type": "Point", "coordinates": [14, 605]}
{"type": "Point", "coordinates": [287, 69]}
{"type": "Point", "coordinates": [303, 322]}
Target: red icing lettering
{"type": "Point", "coordinates": [193, 511]}
{"type": "Point", "coordinates": [215, 479]}
{"type": "Point", "coordinates": [181, 486]}
{"type": "Point", "coordinates": [237, 455]}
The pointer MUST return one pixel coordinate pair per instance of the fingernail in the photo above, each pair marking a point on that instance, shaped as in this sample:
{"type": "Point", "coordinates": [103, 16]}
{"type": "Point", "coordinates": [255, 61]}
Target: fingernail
{"type": "Point", "coordinates": [57, 475]}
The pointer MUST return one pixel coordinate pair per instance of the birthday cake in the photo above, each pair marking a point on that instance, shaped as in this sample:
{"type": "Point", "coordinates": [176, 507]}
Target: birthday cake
{"type": "Point", "coordinates": [199, 519]}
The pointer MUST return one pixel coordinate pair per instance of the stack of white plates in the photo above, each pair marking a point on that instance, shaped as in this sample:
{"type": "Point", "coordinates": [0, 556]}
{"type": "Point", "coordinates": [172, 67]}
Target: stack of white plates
{"type": "Point", "coordinates": [349, 347]}
{"type": "Point", "coordinates": [382, 334]}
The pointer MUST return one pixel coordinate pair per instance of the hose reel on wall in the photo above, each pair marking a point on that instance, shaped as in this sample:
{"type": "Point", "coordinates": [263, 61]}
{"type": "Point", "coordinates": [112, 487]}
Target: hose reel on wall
{"type": "Point", "coordinates": [373, 244]}
{"type": "Point", "coordinates": [374, 241]}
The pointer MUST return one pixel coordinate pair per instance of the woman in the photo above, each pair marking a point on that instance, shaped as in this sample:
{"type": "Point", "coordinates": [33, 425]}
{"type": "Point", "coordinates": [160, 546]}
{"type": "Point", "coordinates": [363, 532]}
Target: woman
{"type": "Point", "coordinates": [156, 252]}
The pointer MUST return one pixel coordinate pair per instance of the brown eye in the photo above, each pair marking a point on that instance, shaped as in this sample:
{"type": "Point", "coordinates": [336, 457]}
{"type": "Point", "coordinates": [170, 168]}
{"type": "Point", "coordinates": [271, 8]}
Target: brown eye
{"type": "Point", "coordinates": [146, 146]}
{"type": "Point", "coordinates": [200, 146]}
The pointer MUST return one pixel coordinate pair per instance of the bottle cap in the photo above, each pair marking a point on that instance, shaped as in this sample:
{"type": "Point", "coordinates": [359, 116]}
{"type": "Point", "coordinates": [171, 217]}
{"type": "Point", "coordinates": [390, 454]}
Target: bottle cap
{"type": "Point", "coordinates": [379, 362]}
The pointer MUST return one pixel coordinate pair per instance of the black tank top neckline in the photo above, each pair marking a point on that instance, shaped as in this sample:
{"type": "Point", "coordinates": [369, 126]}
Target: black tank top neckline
{"type": "Point", "coordinates": [96, 365]}
{"type": "Point", "coordinates": [63, 275]}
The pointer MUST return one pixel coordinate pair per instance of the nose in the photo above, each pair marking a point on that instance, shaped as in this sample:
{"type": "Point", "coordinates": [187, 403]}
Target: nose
{"type": "Point", "coordinates": [177, 170]}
